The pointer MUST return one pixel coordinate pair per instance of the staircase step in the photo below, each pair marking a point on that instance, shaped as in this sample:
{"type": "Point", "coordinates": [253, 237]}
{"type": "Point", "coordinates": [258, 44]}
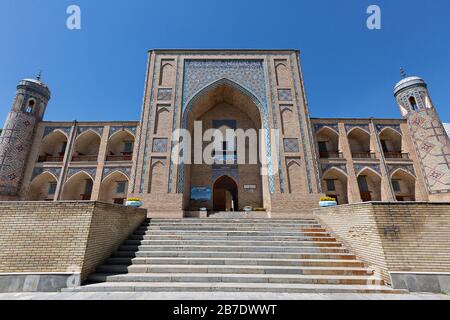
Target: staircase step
{"type": "Point", "coordinates": [235, 261]}
{"type": "Point", "coordinates": [223, 242]}
{"type": "Point", "coordinates": [217, 233]}
{"type": "Point", "coordinates": [272, 248]}
{"type": "Point", "coordinates": [236, 278]}
{"type": "Point", "coordinates": [247, 255]}
{"type": "Point", "coordinates": [234, 269]}
{"type": "Point", "coordinates": [233, 287]}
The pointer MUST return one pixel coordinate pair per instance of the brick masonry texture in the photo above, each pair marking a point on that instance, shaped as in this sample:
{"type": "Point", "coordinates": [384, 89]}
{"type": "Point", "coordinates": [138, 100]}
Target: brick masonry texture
{"type": "Point", "coordinates": [407, 237]}
{"type": "Point", "coordinates": [62, 236]}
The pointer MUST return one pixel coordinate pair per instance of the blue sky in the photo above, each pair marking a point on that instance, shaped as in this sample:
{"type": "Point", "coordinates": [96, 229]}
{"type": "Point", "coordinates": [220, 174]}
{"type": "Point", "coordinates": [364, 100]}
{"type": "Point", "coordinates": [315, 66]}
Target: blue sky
{"type": "Point", "coordinates": [97, 73]}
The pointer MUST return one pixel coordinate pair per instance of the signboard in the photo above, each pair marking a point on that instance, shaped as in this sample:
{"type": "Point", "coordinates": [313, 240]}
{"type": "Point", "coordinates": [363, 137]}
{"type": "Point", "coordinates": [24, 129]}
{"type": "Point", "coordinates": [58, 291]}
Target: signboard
{"type": "Point", "coordinates": [201, 193]}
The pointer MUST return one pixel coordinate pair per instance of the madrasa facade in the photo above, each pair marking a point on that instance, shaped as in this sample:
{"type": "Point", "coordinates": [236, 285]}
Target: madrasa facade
{"type": "Point", "coordinates": [191, 93]}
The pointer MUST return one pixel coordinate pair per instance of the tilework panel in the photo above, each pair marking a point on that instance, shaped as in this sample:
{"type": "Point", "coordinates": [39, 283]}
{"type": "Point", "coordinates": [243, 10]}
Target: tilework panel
{"type": "Point", "coordinates": [334, 126]}
{"type": "Point", "coordinates": [396, 127]}
{"type": "Point", "coordinates": [108, 170]}
{"type": "Point", "coordinates": [159, 145]}
{"type": "Point", "coordinates": [291, 145]}
{"type": "Point", "coordinates": [165, 94]}
{"type": "Point", "coordinates": [49, 130]}
{"type": "Point", "coordinates": [56, 171]}
{"type": "Point", "coordinates": [90, 171]}
{"type": "Point", "coordinates": [114, 129]}
{"type": "Point", "coordinates": [360, 166]}
{"type": "Point", "coordinates": [244, 75]}
{"type": "Point", "coordinates": [284, 95]}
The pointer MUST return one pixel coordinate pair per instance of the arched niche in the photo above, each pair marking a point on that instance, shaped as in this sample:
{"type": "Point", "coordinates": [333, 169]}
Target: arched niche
{"type": "Point", "coordinates": [87, 146]}
{"type": "Point", "coordinates": [120, 146]}
{"type": "Point", "coordinates": [335, 185]}
{"type": "Point", "coordinates": [359, 141]}
{"type": "Point", "coordinates": [78, 187]}
{"type": "Point", "coordinates": [369, 183]}
{"type": "Point", "coordinates": [404, 185]}
{"type": "Point", "coordinates": [114, 188]}
{"type": "Point", "coordinates": [43, 187]}
{"type": "Point", "coordinates": [328, 143]}
{"type": "Point", "coordinates": [53, 147]}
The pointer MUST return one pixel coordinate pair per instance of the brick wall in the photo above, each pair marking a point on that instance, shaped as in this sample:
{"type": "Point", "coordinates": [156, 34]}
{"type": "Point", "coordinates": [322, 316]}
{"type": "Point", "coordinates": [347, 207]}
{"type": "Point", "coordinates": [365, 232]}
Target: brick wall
{"type": "Point", "coordinates": [394, 236]}
{"type": "Point", "coordinates": [62, 236]}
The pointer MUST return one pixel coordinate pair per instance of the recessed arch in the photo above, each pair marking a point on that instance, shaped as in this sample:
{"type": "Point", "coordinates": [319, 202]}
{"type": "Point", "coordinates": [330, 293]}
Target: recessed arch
{"type": "Point", "coordinates": [391, 143]}
{"type": "Point", "coordinates": [225, 194]}
{"type": "Point", "coordinates": [335, 184]}
{"type": "Point", "coordinates": [53, 147]}
{"type": "Point", "coordinates": [120, 146]}
{"type": "Point", "coordinates": [360, 143]}
{"type": "Point", "coordinates": [221, 82]}
{"type": "Point", "coordinates": [43, 187]}
{"type": "Point", "coordinates": [404, 185]}
{"type": "Point", "coordinates": [369, 183]}
{"type": "Point", "coordinates": [78, 187]}
{"type": "Point", "coordinates": [219, 105]}
{"type": "Point", "coordinates": [328, 142]}
{"type": "Point", "coordinates": [87, 145]}
{"type": "Point", "coordinates": [114, 188]}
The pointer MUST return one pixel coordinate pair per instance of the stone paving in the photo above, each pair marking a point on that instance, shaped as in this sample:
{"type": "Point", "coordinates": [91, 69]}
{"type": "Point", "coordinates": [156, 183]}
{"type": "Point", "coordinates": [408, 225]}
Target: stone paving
{"type": "Point", "coordinates": [215, 296]}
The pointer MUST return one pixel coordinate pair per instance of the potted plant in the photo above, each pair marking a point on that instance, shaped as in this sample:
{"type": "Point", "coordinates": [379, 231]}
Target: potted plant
{"type": "Point", "coordinates": [327, 202]}
{"type": "Point", "coordinates": [248, 208]}
{"type": "Point", "coordinates": [134, 202]}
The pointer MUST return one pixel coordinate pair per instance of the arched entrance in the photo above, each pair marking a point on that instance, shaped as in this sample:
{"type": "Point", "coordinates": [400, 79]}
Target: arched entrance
{"type": "Point", "coordinates": [220, 108]}
{"type": "Point", "coordinates": [225, 195]}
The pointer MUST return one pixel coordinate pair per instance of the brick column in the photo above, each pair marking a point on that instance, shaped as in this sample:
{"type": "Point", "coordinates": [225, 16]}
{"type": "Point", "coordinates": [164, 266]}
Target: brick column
{"type": "Point", "coordinates": [353, 193]}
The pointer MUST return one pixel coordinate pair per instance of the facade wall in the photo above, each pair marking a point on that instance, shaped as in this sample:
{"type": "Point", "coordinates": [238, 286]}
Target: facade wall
{"type": "Point", "coordinates": [87, 159]}
{"type": "Point", "coordinates": [67, 237]}
{"type": "Point", "coordinates": [380, 164]}
{"type": "Point", "coordinates": [393, 236]}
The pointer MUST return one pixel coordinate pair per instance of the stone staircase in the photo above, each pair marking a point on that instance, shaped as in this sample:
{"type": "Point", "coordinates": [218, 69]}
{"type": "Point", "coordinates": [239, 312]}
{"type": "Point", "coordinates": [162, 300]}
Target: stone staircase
{"type": "Point", "coordinates": [234, 255]}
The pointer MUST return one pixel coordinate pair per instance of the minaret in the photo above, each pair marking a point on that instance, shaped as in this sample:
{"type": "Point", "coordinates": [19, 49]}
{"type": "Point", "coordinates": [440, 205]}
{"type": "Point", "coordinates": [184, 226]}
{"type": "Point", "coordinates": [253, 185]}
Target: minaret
{"type": "Point", "coordinates": [27, 111]}
{"type": "Point", "coordinates": [428, 134]}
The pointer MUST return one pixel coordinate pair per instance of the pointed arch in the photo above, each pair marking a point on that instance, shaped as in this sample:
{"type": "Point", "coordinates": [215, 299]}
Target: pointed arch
{"type": "Point", "coordinates": [53, 147]}
{"type": "Point", "coordinates": [78, 187]}
{"type": "Point", "coordinates": [335, 184]}
{"type": "Point", "coordinates": [114, 188]}
{"type": "Point", "coordinates": [87, 145]}
{"type": "Point", "coordinates": [325, 127]}
{"type": "Point", "coordinates": [216, 84]}
{"type": "Point", "coordinates": [369, 183]}
{"type": "Point", "coordinates": [120, 146]}
{"type": "Point", "coordinates": [370, 169]}
{"type": "Point", "coordinates": [42, 187]}
{"type": "Point", "coordinates": [403, 185]}
{"type": "Point", "coordinates": [357, 128]}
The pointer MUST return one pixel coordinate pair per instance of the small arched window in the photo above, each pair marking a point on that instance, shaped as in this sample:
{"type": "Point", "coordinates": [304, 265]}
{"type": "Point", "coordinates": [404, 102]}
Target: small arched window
{"type": "Point", "coordinates": [413, 103]}
{"type": "Point", "coordinates": [30, 106]}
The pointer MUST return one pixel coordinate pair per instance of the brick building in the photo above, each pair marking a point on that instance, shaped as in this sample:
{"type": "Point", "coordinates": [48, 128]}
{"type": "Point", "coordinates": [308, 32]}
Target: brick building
{"type": "Point", "coordinates": [301, 158]}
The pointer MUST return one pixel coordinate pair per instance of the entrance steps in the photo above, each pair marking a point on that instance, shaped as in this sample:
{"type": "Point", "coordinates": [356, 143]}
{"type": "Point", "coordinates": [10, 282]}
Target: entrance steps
{"type": "Point", "coordinates": [234, 255]}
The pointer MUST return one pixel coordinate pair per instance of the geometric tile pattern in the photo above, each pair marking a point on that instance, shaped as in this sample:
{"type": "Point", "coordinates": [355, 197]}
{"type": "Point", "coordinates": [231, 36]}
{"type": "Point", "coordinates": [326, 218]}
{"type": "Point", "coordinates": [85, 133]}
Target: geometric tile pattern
{"type": "Point", "coordinates": [15, 143]}
{"type": "Point", "coordinates": [97, 129]}
{"type": "Point", "coordinates": [92, 171]}
{"type": "Point", "coordinates": [327, 166]}
{"type": "Point", "coordinates": [360, 166]}
{"type": "Point", "coordinates": [334, 126]}
{"type": "Point", "coordinates": [56, 171]}
{"type": "Point", "coordinates": [108, 170]}
{"type": "Point", "coordinates": [363, 126]}
{"type": "Point", "coordinates": [159, 145]}
{"type": "Point", "coordinates": [131, 129]}
{"type": "Point", "coordinates": [291, 145]}
{"type": "Point", "coordinates": [165, 94]}
{"type": "Point", "coordinates": [245, 75]}
{"type": "Point", "coordinates": [407, 167]}
{"type": "Point", "coordinates": [395, 127]}
{"type": "Point", "coordinates": [433, 146]}
{"type": "Point", "coordinates": [49, 130]}
{"type": "Point", "coordinates": [284, 95]}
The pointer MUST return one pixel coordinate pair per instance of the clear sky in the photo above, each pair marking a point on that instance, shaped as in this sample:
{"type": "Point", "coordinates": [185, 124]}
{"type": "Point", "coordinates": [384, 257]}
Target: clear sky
{"type": "Point", "coordinates": [97, 73]}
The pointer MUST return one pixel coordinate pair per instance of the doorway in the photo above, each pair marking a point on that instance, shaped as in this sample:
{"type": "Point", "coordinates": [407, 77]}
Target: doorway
{"type": "Point", "coordinates": [225, 195]}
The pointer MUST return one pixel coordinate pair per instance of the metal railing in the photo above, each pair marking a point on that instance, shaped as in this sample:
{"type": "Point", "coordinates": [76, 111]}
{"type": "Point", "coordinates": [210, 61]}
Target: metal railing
{"type": "Point", "coordinates": [51, 159]}
{"type": "Point", "coordinates": [363, 155]}
{"type": "Point", "coordinates": [396, 155]}
{"type": "Point", "coordinates": [125, 157]}
{"type": "Point", "coordinates": [85, 158]}
{"type": "Point", "coordinates": [331, 154]}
